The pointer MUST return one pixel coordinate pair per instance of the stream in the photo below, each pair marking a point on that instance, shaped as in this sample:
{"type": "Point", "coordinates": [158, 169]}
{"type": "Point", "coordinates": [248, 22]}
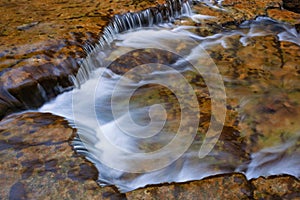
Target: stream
{"type": "Point", "coordinates": [157, 102]}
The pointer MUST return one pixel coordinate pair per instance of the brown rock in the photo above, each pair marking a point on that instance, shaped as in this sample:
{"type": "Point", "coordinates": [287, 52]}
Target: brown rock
{"type": "Point", "coordinates": [230, 186]}
{"type": "Point", "coordinates": [276, 187]}
{"type": "Point", "coordinates": [284, 16]}
{"type": "Point", "coordinates": [36, 158]}
{"type": "Point", "coordinates": [38, 162]}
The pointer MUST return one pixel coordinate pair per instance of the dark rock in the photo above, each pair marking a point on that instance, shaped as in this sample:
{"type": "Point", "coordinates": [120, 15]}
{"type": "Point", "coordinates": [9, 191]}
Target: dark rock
{"type": "Point", "coordinates": [292, 5]}
{"type": "Point", "coordinates": [30, 87]}
{"type": "Point", "coordinates": [297, 26]}
{"type": "Point", "coordinates": [17, 192]}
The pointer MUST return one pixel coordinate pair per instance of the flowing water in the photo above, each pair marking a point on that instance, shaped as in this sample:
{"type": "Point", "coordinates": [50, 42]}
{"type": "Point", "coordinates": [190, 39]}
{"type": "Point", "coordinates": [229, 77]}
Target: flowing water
{"type": "Point", "coordinates": [149, 105]}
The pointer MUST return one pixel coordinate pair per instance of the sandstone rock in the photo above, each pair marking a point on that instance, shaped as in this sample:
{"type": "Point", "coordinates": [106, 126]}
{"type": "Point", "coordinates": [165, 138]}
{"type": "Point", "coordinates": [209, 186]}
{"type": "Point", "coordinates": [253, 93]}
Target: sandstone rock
{"type": "Point", "coordinates": [284, 16]}
{"type": "Point", "coordinates": [229, 186]}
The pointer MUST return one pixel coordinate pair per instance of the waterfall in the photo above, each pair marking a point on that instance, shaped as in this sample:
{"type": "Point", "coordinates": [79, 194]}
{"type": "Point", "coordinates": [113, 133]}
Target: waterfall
{"type": "Point", "coordinates": [166, 13]}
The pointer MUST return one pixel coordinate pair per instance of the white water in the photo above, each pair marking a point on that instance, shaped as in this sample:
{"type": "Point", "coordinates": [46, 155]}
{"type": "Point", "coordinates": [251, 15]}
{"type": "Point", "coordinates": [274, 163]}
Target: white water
{"type": "Point", "coordinates": [112, 141]}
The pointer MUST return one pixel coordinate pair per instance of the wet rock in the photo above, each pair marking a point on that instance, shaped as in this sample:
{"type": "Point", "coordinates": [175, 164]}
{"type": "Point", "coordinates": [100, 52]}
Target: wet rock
{"type": "Point", "coordinates": [276, 187]}
{"type": "Point", "coordinates": [293, 5]}
{"type": "Point", "coordinates": [231, 186]}
{"type": "Point", "coordinates": [229, 14]}
{"type": "Point", "coordinates": [38, 162]}
{"type": "Point", "coordinates": [284, 16]}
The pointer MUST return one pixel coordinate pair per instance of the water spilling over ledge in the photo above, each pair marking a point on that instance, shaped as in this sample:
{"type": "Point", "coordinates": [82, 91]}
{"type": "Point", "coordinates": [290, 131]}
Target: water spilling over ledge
{"type": "Point", "coordinates": [90, 110]}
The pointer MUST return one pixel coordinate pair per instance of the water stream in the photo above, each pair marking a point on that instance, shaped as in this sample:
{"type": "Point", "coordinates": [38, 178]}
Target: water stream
{"type": "Point", "coordinates": [149, 101]}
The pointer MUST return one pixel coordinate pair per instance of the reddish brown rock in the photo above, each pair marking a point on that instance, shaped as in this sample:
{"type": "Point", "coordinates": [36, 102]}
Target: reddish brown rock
{"type": "Point", "coordinates": [41, 32]}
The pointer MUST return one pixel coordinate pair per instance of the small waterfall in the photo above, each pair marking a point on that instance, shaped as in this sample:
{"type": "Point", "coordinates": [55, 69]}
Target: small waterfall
{"type": "Point", "coordinates": [166, 13]}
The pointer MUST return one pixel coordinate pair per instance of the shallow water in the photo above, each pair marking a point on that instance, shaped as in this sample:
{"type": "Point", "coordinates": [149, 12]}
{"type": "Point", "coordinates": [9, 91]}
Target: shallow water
{"type": "Point", "coordinates": [150, 108]}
